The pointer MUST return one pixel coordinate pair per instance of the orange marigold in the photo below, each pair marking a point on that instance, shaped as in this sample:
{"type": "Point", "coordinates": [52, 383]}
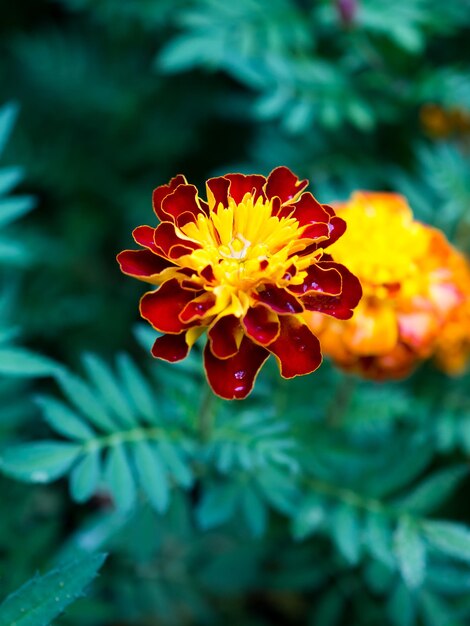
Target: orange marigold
{"type": "Point", "coordinates": [243, 266]}
{"type": "Point", "coordinates": [408, 275]}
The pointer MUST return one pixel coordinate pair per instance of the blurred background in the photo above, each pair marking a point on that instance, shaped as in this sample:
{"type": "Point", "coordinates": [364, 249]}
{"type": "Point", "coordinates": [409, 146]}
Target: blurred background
{"type": "Point", "coordinates": [103, 100]}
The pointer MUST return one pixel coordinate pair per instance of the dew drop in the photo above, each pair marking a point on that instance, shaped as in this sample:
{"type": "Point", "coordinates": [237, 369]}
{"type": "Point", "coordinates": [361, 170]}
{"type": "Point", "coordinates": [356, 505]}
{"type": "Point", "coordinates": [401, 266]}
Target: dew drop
{"type": "Point", "coordinates": [240, 374]}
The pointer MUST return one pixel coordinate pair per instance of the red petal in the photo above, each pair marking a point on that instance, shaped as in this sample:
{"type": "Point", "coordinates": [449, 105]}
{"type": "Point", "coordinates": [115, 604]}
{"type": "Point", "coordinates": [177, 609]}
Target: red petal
{"type": "Point", "coordinates": [182, 206]}
{"type": "Point", "coordinates": [297, 350]}
{"type": "Point", "coordinates": [141, 263]}
{"type": "Point", "coordinates": [145, 236]}
{"type": "Point", "coordinates": [217, 191]}
{"type": "Point", "coordinates": [284, 184]}
{"type": "Point", "coordinates": [160, 193]}
{"type": "Point", "coordinates": [241, 185]}
{"type": "Point", "coordinates": [197, 308]}
{"type": "Point", "coordinates": [307, 210]}
{"type": "Point", "coordinates": [171, 348]}
{"type": "Point", "coordinates": [162, 307]}
{"type": "Point", "coordinates": [337, 228]}
{"type": "Point", "coordinates": [261, 324]}
{"type": "Point", "coordinates": [225, 337]}
{"type": "Point", "coordinates": [233, 378]}
{"type": "Point", "coordinates": [208, 273]}
{"type": "Point", "coordinates": [169, 244]}
{"type": "Point", "coordinates": [278, 300]}
{"type": "Point", "coordinates": [321, 277]}
{"type": "Point", "coordinates": [339, 306]}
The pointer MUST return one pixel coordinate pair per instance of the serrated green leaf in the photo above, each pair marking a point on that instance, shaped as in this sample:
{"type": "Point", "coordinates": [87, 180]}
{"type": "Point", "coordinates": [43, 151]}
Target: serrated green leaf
{"type": "Point", "coordinates": [82, 397]}
{"type": "Point", "coordinates": [176, 466]}
{"type": "Point", "coordinates": [377, 538]}
{"type": "Point", "coordinates": [310, 517]}
{"type": "Point", "coordinates": [39, 462]}
{"type": "Point", "coordinates": [63, 420]}
{"type": "Point", "coordinates": [433, 491]}
{"type": "Point", "coordinates": [254, 510]}
{"type": "Point", "coordinates": [13, 208]}
{"type": "Point", "coordinates": [401, 607]}
{"type": "Point", "coordinates": [8, 115]}
{"type": "Point", "coordinates": [151, 473]}
{"type": "Point", "coordinates": [345, 527]}
{"type": "Point", "coordinates": [410, 551]}
{"type": "Point", "coordinates": [109, 389]}
{"type": "Point", "coordinates": [119, 478]}
{"type": "Point", "coordinates": [42, 599]}
{"type": "Point", "coordinates": [85, 476]}
{"type": "Point", "coordinates": [217, 505]}
{"type": "Point", "coordinates": [21, 362]}
{"type": "Point", "coordinates": [449, 538]}
{"type": "Point", "coordinates": [9, 178]}
{"type": "Point", "coordinates": [138, 388]}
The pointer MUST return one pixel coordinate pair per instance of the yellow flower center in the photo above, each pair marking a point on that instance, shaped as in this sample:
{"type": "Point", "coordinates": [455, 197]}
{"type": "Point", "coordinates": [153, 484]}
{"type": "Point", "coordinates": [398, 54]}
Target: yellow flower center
{"type": "Point", "coordinates": [245, 245]}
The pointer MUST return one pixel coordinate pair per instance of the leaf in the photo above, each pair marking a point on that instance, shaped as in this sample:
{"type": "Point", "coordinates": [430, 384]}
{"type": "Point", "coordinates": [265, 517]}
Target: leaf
{"type": "Point", "coordinates": [39, 462]}
{"type": "Point", "coordinates": [8, 115]}
{"type": "Point", "coordinates": [85, 476]}
{"type": "Point", "coordinates": [83, 398]}
{"type": "Point", "coordinates": [217, 505]}
{"type": "Point", "coordinates": [175, 464]}
{"type": "Point", "coordinates": [9, 178]}
{"type": "Point", "coordinates": [138, 388]}
{"type": "Point", "coordinates": [15, 207]}
{"type": "Point", "coordinates": [152, 474]}
{"type": "Point", "coordinates": [433, 491]}
{"type": "Point", "coordinates": [346, 532]}
{"type": "Point", "coordinates": [449, 538]}
{"type": "Point", "coordinates": [254, 510]}
{"type": "Point", "coordinates": [63, 420]}
{"type": "Point", "coordinates": [309, 518]}
{"type": "Point", "coordinates": [21, 362]}
{"type": "Point", "coordinates": [377, 537]}
{"type": "Point", "coordinates": [411, 552]}
{"type": "Point", "coordinates": [42, 599]}
{"type": "Point", "coordinates": [119, 478]}
{"type": "Point", "coordinates": [401, 607]}
{"type": "Point", "coordinates": [109, 390]}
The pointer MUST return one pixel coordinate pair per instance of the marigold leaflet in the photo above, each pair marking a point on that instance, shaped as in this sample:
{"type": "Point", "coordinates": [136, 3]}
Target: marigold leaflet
{"type": "Point", "coordinates": [242, 266]}
{"type": "Point", "coordinates": [408, 274]}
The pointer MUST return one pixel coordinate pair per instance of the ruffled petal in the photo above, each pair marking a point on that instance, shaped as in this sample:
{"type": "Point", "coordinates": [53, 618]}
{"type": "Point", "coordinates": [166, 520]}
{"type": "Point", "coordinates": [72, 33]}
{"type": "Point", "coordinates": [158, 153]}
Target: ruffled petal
{"type": "Point", "coordinates": [142, 264]}
{"type": "Point", "coordinates": [261, 324]}
{"type": "Point", "coordinates": [284, 184]}
{"type": "Point", "coordinates": [278, 300]}
{"type": "Point", "coordinates": [162, 307]}
{"type": "Point", "coordinates": [297, 349]}
{"type": "Point", "coordinates": [145, 237]}
{"type": "Point", "coordinates": [197, 308]}
{"type": "Point", "coordinates": [160, 193]}
{"type": "Point", "coordinates": [171, 348]}
{"type": "Point", "coordinates": [323, 278]}
{"type": "Point", "coordinates": [225, 337]}
{"type": "Point", "coordinates": [169, 244]}
{"type": "Point", "coordinates": [340, 306]}
{"type": "Point", "coordinates": [306, 210]}
{"type": "Point", "coordinates": [217, 192]}
{"type": "Point", "coordinates": [233, 378]}
{"type": "Point", "coordinates": [241, 185]}
{"type": "Point", "coordinates": [182, 206]}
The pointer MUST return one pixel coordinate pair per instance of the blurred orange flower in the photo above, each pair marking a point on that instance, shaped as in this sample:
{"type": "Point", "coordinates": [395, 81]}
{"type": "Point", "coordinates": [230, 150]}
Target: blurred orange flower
{"type": "Point", "coordinates": [413, 283]}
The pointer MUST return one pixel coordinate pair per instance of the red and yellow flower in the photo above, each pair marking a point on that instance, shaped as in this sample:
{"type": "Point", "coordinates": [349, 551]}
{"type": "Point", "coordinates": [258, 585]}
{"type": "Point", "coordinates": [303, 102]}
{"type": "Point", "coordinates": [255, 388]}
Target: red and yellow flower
{"type": "Point", "coordinates": [243, 266]}
{"type": "Point", "coordinates": [408, 272]}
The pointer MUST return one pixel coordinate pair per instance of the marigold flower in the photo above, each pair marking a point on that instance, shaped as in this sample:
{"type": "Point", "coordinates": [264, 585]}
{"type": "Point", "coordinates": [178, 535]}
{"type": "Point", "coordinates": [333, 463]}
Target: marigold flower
{"type": "Point", "coordinates": [452, 351]}
{"type": "Point", "coordinates": [243, 266]}
{"type": "Point", "coordinates": [408, 274]}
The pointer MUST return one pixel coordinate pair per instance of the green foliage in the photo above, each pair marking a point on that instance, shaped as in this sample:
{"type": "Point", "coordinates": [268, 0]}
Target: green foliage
{"type": "Point", "coordinates": [324, 500]}
{"type": "Point", "coordinates": [42, 599]}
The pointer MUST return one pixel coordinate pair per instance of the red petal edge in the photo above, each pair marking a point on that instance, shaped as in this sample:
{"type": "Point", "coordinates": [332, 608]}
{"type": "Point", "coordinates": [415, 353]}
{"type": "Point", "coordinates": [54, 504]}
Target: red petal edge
{"type": "Point", "coordinates": [141, 263]}
{"type": "Point", "coordinates": [297, 349]}
{"type": "Point", "coordinates": [162, 307]}
{"type": "Point", "coordinates": [284, 184]}
{"type": "Point", "coordinates": [171, 348]}
{"type": "Point", "coordinates": [233, 378]}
